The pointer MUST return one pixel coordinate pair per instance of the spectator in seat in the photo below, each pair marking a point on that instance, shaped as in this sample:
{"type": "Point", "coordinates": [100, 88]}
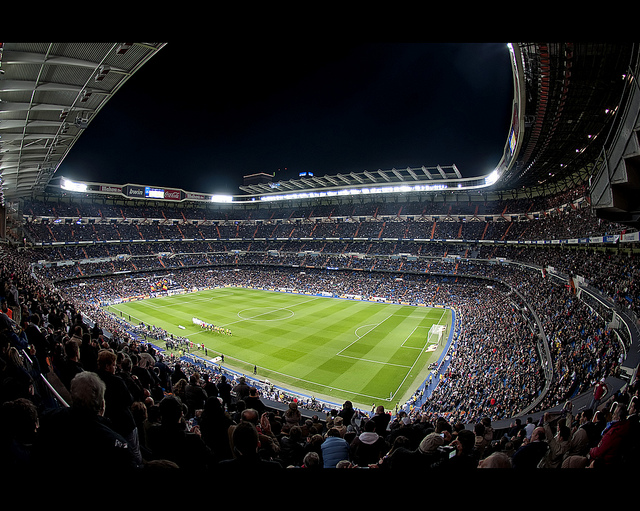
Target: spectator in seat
{"type": "Point", "coordinates": [529, 427]}
{"type": "Point", "coordinates": [37, 337]}
{"type": "Point", "coordinates": [292, 447]}
{"type": "Point", "coordinates": [245, 450]}
{"type": "Point", "coordinates": [16, 380]}
{"type": "Point", "coordinates": [334, 449]}
{"type": "Point", "coordinates": [253, 401]}
{"type": "Point", "coordinates": [195, 395]}
{"type": "Point", "coordinates": [381, 419]}
{"type": "Point", "coordinates": [19, 426]}
{"type": "Point", "coordinates": [497, 459]}
{"type": "Point", "coordinates": [347, 412]}
{"type": "Point", "coordinates": [615, 440]}
{"type": "Point", "coordinates": [558, 442]}
{"type": "Point", "coordinates": [465, 457]}
{"type": "Point", "coordinates": [428, 454]}
{"type": "Point", "coordinates": [584, 435]}
{"type": "Point", "coordinates": [292, 415]}
{"type": "Point", "coordinates": [79, 437]}
{"type": "Point", "coordinates": [214, 425]}
{"type": "Point", "coordinates": [4, 309]}
{"type": "Point", "coordinates": [178, 374]}
{"type": "Point", "coordinates": [269, 445]}
{"type": "Point", "coordinates": [532, 451]}
{"type": "Point", "coordinates": [224, 391]}
{"type": "Point", "coordinates": [368, 447]}
{"type": "Point", "coordinates": [171, 440]}
{"type": "Point", "coordinates": [118, 401]}
{"type": "Point", "coordinates": [71, 364]}
{"type": "Point", "coordinates": [241, 389]}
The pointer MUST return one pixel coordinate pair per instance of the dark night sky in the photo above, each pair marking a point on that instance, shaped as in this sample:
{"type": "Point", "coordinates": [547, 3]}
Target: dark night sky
{"type": "Point", "coordinates": [200, 118]}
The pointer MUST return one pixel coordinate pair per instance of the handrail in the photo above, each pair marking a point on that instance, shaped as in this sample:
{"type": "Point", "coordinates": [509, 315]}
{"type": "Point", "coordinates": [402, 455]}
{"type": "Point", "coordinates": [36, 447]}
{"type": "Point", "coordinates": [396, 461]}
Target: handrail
{"type": "Point", "coordinates": [54, 393]}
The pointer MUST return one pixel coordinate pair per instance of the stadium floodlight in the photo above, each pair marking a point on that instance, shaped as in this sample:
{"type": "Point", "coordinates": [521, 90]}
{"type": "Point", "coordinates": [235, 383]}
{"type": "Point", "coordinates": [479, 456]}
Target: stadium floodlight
{"type": "Point", "coordinates": [221, 198]}
{"type": "Point", "coordinates": [73, 186]}
{"type": "Point", "coordinates": [492, 178]}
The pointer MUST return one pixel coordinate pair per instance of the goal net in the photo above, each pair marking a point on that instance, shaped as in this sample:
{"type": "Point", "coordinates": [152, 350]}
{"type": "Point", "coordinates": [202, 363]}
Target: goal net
{"type": "Point", "coordinates": [437, 334]}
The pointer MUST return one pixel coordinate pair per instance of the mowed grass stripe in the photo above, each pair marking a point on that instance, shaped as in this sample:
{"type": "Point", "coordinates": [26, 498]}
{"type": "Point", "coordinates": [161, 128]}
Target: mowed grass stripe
{"type": "Point", "coordinates": [341, 348]}
{"type": "Point", "coordinates": [386, 341]}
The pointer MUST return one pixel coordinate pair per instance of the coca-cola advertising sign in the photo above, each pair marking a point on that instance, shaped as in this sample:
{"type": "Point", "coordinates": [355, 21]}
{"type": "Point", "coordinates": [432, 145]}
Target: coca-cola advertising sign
{"type": "Point", "coordinates": [172, 194]}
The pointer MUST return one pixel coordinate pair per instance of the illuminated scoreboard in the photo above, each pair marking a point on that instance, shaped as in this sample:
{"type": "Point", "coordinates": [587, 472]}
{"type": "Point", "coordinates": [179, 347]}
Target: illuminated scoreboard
{"type": "Point", "coordinates": [153, 193]}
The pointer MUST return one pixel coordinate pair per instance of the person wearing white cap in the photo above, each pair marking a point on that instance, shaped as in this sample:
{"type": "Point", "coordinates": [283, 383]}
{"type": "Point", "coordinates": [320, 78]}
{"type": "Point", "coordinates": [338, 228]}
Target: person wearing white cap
{"type": "Point", "coordinates": [426, 456]}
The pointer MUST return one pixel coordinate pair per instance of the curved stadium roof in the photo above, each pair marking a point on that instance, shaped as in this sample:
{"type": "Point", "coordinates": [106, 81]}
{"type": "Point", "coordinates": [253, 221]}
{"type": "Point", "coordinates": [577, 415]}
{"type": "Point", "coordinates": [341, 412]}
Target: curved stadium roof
{"type": "Point", "coordinates": [49, 94]}
{"type": "Point", "coordinates": [566, 104]}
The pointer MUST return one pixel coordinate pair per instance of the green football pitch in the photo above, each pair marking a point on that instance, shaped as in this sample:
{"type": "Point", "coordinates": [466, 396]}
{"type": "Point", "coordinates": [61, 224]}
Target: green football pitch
{"type": "Point", "coordinates": [330, 348]}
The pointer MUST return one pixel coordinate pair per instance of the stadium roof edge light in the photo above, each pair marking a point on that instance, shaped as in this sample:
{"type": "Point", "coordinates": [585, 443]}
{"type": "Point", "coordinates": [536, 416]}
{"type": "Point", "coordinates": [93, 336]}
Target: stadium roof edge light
{"type": "Point", "coordinates": [299, 190]}
{"type": "Point", "coordinates": [418, 186]}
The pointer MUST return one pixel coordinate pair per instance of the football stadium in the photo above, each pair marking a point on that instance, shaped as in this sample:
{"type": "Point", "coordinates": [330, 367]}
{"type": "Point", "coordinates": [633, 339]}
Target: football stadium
{"type": "Point", "coordinates": [412, 318]}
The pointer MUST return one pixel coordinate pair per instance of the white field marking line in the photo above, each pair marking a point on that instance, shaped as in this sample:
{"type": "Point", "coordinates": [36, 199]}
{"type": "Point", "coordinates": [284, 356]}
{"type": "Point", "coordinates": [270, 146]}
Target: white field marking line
{"type": "Point", "coordinates": [322, 385]}
{"type": "Point", "coordinates": [191, 299]}
{"type": "Point", "coordinates": [373, 361]}
{"type": "Point", "coordinates": [416, 360]}
{"type": "Point", "coordinates": [171, 303]}
{"type": "Point", "coordinates": [302, 380]}
{"type": "Point", "coordinates": [373, 327]}
{"type": "Point", "coordinates": [408, 336]}
{"type": "Point", "coordinates": [441, 316]}
{"type": "Point", "coordinates": [150, 303]}
{"type": "Point", "coordinates": [272, 310]}
{"type": "Point", "coordinates": [392, 396]}
{"type": "Point", "coordinates": [226, 325]}
{"type": "Point", "coordinates": [410, 368]}
{"type": "Point", "coordinates": [122, 312]}
{"type": "Point", "coordinates": [250, 318]}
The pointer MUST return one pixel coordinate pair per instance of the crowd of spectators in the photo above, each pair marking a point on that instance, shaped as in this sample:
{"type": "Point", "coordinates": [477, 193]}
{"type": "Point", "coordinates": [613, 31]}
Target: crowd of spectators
{"type": "Point", "coordinates": [140, 407]}
{"type": "Point", "coordinates": [563, 216]}
{"type": "Point", "coordinates": [450, 222]}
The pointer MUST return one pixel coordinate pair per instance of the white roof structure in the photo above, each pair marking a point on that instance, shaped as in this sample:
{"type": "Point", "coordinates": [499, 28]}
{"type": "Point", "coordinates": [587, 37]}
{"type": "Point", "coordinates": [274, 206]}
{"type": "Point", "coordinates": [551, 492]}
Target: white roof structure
{"type": "Point", "coordinates": [49, 94]}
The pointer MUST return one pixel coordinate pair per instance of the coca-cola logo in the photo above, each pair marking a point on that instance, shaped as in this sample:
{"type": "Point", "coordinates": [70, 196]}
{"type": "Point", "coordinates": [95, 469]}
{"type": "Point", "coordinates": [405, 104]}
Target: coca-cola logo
{"type": "Point", "coordinates": [172, 194]}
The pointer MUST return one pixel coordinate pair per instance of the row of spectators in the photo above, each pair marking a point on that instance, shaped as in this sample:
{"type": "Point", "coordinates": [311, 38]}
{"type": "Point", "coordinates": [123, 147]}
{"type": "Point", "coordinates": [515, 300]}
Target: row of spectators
{"type": "Point", "coordinates": [614, 274]}
{"type": "Point", "coordinates": [558, 224]}
{"type": "Point", "coordinates": [481, 206]}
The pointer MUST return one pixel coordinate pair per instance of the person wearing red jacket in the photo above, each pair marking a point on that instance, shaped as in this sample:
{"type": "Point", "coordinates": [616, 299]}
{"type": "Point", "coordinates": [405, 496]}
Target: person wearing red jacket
{"type": "Point", "coordinates": [599, 391]}
{"type": "Point", "coordinates": [610, 449]}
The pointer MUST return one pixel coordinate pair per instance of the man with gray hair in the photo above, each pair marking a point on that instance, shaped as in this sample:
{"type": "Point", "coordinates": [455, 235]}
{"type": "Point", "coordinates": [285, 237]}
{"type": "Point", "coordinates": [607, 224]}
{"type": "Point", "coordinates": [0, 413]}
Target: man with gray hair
{"type": "Point", "coordinates": [79, 437]}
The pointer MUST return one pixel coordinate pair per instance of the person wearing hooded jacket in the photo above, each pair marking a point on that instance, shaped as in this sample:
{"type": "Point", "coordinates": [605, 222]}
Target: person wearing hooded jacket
{"type": "Point", "coordinates": [368, 447]}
